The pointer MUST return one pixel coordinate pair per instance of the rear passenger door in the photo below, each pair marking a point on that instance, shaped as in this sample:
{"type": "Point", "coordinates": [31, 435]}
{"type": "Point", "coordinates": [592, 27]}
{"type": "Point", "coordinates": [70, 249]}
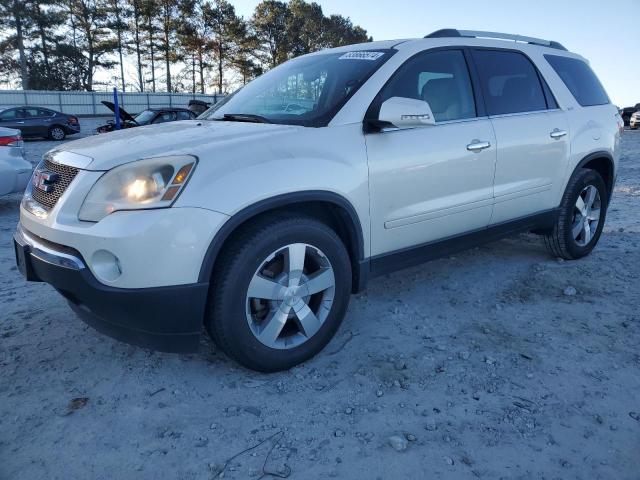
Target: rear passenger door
{"type": "Point", "coordinates": [35, 122]}
{"type": "Point", "coordinates": [532, 134]}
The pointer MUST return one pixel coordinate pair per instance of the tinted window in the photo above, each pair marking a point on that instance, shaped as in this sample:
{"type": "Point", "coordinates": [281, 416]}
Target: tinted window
{"type": "Point", "coordinates": [510, 83]}
{"type": "Point", "coordinates": [145, 117]}
{"type": "Point", "coordinates": [31, 113]}
{"type": "Point", "coordinates": [182, 115]}
{"type": "Point", "coordinates": [8, 114]}
{"type": "Point", "coordinates": [439, 78]}
{"type": "Point", "coordinates": [579, 79]}
{"type": "Point", "coordinates": [165, 117]}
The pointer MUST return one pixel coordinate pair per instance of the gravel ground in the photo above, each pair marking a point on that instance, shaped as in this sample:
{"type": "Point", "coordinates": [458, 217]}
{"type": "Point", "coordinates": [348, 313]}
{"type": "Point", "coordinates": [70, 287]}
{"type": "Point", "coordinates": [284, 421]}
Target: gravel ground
{"type": "Point", "coordinates": [486, 364]}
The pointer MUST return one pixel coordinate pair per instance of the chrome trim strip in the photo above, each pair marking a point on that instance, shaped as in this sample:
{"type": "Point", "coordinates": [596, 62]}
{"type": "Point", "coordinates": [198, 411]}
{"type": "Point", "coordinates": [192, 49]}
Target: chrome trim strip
{"type": "Point", "coordinates": [38, 249]}
{"type": "Point", "coordinates": [439, 213]}
{"type": "Point", "coordinates": [444, 122]}
{"type": "Point", "coordinates": [520, 114]}
{"type": "Point", "coordinates": [70, 159]}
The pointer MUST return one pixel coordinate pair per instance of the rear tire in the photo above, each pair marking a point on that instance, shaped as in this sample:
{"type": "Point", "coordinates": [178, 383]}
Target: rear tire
{"type": "Point", "coordinates": [279, 293]}
{"type": "Point", "coordinates": [581, 218]}
{"type": "Point", "coordinates": [57, 133]}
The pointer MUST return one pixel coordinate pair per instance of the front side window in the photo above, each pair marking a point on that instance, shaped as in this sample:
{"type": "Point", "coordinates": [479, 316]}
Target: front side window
{"type": "Point", "coordinates": [580, 80]}
{"type": "Point", "coordinates": [306, 91]}
{"type": "Point", "coordinates": [440, 78]}
{"type": "Point", "coordinates": [509, 81]}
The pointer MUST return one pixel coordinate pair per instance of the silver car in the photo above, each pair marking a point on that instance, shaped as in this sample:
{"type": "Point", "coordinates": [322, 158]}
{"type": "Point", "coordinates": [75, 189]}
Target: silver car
{"type": "Point", "coordinates": [15, 171]}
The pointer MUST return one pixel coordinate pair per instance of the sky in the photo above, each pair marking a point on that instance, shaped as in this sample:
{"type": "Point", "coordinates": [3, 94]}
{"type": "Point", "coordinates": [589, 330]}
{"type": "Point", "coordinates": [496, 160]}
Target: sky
{"type": "Point", "coordinates": [606, 32]}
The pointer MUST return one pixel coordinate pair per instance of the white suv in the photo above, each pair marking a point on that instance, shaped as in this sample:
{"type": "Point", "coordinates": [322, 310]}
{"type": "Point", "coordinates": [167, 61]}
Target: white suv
{"type": "Point", "coordinates": [258, 220]}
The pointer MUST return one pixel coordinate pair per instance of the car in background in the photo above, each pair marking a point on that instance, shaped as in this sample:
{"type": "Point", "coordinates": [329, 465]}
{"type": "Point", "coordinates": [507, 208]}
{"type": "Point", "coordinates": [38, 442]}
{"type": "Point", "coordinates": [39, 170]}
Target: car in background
{"type": "Point", "coordinates": [198, 106]}
{"type": "Point", "coordinates": [634, 121]}
{"type": "Point", "coordinates": [627, 112]}
{"type": "Point", "coordinates": [34, 122]}
{"type": "Point", "coordinates": [15, 171]}
{"type": "Point", "coordinates": [146, 117]}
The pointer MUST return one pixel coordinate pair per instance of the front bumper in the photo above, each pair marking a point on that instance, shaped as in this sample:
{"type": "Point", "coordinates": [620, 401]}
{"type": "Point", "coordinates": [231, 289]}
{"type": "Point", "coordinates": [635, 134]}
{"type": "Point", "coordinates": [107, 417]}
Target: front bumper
{"type": "Point", "coordinates": [72, 129]}
{"type": "Point", "coordinates": [167, 319]}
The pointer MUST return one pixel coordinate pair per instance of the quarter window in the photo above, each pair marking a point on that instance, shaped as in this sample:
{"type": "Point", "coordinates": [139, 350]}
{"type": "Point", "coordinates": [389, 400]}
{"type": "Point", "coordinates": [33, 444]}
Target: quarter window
{"type": "Point", "coordinates": [440, 78]}
{"type": "Point", "coordinates": [579, 79]}
{"type": "Point", "coordinates": [509, 81]}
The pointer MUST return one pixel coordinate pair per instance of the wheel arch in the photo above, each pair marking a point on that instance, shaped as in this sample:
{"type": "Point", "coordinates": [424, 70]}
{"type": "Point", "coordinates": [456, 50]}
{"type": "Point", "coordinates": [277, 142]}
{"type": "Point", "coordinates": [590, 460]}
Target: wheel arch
{"type": "Point", "coordinates": [602, 162]}
{"type": "Point", "coordinates": [329, 207]}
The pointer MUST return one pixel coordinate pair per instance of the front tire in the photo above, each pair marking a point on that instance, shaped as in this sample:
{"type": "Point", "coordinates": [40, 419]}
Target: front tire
{"type": "Point", "coordinates": [280, 292]}
{"type": "Point", "coordinates": [57, 133]}
{"type": "Point", "coordinates": [581, 218]}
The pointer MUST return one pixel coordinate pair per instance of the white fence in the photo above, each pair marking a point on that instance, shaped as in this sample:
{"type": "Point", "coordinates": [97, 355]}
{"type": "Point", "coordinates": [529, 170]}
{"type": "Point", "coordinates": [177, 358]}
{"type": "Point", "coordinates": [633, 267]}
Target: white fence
{"type": "Point", "coordinates": [88, 103]}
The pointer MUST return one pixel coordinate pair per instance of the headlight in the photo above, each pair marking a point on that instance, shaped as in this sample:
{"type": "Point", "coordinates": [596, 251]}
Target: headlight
{"type": "Point", "coordinates": [144, 184]}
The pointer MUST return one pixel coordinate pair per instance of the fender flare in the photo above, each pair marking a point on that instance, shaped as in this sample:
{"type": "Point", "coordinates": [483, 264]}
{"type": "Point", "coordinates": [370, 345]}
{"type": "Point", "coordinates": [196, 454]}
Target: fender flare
{"type": "Point", "coordinates": [593, 156]}
{"type": "Point", "coordinates": [355, 227]}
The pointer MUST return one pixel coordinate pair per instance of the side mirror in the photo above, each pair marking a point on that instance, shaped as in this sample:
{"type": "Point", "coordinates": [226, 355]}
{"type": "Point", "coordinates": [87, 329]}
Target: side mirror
{"type": "Point", "coordinates": [406, 113]}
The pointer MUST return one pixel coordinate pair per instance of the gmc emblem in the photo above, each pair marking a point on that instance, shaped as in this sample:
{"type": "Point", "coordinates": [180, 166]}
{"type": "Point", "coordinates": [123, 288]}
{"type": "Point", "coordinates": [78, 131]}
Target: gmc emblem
{"type": "Point", "coordinates": [44, 180]}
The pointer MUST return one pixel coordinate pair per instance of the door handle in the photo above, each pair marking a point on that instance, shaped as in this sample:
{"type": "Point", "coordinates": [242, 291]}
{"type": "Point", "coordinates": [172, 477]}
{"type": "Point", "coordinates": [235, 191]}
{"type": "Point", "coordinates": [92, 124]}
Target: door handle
{"type": "Point", "coordinates": [477, 146]}
{"type": "Point", "coordinates": [20, 123]}
{"type": "Point", "coordinates": [557, 133]}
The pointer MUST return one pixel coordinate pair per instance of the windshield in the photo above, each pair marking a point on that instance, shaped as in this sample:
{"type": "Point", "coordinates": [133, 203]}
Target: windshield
{"type": "Point", "coordinates": [145, 117]}
{"type": "Point", "coordinates": [306, 91]}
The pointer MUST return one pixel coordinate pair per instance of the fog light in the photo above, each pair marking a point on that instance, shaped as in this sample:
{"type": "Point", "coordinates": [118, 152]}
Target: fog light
{"type": "Point", "coordinates": [106, 265]}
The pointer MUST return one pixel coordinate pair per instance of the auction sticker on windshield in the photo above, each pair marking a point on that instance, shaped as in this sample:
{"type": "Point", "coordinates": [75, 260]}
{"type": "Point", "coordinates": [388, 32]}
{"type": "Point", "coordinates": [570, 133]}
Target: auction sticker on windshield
{"type": "Point", "coordinates": [362, 56]}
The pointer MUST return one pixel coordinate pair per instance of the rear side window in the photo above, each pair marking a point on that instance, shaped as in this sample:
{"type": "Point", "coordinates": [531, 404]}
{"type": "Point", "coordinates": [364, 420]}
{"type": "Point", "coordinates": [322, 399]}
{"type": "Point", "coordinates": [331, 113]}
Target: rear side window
{"type": "Point", "coordinates": [510, 82]}
{"type": "Point", "coordinates": [579, 79]}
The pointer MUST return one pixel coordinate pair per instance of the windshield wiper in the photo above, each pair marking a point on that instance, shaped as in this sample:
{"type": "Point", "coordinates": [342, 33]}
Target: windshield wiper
{"type": "Point", "coordinates": [243, 117]}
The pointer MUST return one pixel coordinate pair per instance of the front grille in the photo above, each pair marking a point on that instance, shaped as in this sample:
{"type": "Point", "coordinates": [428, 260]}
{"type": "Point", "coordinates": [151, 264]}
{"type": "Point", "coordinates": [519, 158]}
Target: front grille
{"type": "Point", "coordinates": [66, 175]}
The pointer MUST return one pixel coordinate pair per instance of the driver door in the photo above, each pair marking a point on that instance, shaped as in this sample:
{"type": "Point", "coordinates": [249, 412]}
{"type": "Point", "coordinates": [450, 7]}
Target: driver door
{"type": "Point", "coordinates": [433, 182]}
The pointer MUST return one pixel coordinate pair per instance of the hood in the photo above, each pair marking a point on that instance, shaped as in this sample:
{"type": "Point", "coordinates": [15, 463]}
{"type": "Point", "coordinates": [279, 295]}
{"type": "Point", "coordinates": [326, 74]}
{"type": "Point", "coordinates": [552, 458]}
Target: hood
{"type": "Point", "coordinates": [124, 115]}
{"type": "Point", "coordinates": [192, 137]}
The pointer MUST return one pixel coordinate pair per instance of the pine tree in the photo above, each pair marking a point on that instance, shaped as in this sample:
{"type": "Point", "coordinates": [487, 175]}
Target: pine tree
{"type": "Point", "coordinates": [93, 37]}
{"type": "Point", "coordinates": [150, 12]}
{"type": "Point", "coordinates": [118, 13]}
{"type": "Point", "coordinates": [14, 19]}
{"type": "Point", "coordinates": [169, 23]}
{"type": "Point", "coordinates": [225, 26]}
{"type": "Point", "coordinates": [269, 22]}
{"type": "Point", "coordinates": [135, 18]}
{"type": "Point", "coordinates": [195, 39]}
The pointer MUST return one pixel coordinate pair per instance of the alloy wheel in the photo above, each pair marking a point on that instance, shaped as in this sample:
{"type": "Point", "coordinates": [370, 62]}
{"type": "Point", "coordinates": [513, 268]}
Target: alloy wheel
{"type": "Point", "coordinates": [586, 215]}
{"type": "Point", "coordinates": [57, 133]}
{"type": "Point", "coordinates": [290, 296]}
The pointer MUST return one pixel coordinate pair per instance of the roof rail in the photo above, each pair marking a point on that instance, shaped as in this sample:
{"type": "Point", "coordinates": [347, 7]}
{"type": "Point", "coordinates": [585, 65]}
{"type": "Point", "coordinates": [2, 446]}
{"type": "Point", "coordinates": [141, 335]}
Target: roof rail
{"type": "Point", "coordinates": [452, 32]}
